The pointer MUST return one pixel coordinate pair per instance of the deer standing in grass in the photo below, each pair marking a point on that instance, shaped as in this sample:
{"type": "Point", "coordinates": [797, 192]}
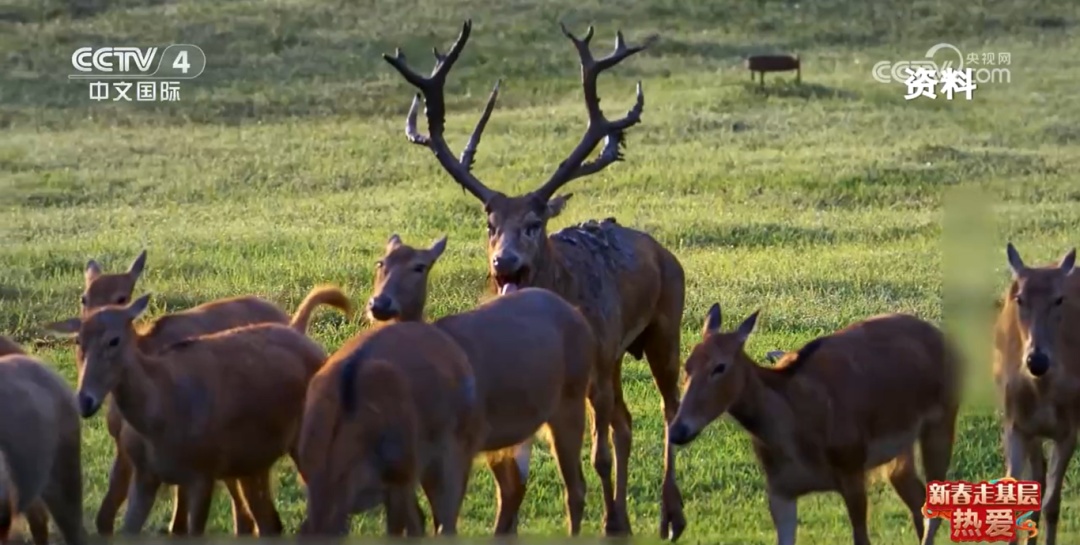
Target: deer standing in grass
{"type": "Point", "coordinates": [394, 407]}
{"type": "Point", "coordinates": [40, 449]}
{"type": "Point", "coordinates": [1037, 371]}
{"type": "Point", "coordinates": [532, 355]}
{"type": "Point", "coordinates": [828, 413]}
{"type": "Point", "coordinates": [102, 289]}
{"type": "Point", "coordinates": [630, 288]}
{"type": "Point", "coordinates": [184, 423]}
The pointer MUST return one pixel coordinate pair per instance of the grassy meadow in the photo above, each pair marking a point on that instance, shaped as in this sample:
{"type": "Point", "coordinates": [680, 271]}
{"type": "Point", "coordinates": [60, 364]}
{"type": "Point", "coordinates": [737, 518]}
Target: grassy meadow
{"type": "Point", "coordinates": [285, 165]}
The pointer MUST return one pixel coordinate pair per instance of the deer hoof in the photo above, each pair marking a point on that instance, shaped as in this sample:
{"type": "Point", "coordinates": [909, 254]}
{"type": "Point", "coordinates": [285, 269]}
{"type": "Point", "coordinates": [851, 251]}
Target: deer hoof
{"type": "Point", "coordinates": [672, 525]}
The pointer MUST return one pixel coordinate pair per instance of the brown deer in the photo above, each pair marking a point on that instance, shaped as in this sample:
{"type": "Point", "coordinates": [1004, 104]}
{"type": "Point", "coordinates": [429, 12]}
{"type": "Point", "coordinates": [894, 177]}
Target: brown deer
{"type": "Point", "coordinates": [1037, 371]}
{"type": "Point", "coordinates": [102, 289]}
{"type": "Point", "coordinates": [827, 414]}
{"type": "Point", "coordinates": [187, 425]}
{"type": "Point", "coordinates": [394, 407]}
{"type": "Point", "coordinates": [532, 356]}
{"type": "Point", "coordinates": [40, 449]}
{"type": "Point", "coordinates": [630, 288]}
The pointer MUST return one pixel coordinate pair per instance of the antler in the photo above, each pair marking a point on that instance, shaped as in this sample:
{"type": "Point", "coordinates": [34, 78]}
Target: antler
{"type": "Point", "coordinates": [431, 88]}
{"type": "Point", "coordinates": [599, 127]}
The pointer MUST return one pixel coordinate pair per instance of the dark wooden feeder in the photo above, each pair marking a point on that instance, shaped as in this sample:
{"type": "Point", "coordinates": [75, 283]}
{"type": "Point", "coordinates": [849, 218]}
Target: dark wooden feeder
{"type": "Point", "coordinates": [773, 63]}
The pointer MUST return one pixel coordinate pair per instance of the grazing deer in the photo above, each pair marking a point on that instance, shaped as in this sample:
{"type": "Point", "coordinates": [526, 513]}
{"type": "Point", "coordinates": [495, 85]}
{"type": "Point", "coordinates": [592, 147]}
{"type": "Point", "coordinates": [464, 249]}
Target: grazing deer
{"type": "Point", "coordinates": [394, 407]}
{"type": "Point", "coordinates": [532, 356]}
{"type": "Point", "coordinates": [180, 403]}
{"type": "Point", "coordinates": [102, 289]}
{"type": "Point", "coordinates": [630, 288]}
{"type": "Point", "coordinates": [1037, 371]}
{"type": "Point", "coordinates": [40, 449]}
{"type": "Point", "coordinates": [827, 414]}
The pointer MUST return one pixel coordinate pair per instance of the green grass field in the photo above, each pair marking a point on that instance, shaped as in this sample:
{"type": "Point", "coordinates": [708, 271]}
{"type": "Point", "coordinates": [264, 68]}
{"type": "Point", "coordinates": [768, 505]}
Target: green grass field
{"type": "Point", "coordinates": [285, 165]}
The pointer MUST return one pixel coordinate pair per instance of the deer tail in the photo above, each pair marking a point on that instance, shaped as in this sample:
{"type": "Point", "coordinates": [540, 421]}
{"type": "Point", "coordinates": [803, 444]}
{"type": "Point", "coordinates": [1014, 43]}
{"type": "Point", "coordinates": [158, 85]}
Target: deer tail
{"type": "Point", "coordinates": [320, 295]}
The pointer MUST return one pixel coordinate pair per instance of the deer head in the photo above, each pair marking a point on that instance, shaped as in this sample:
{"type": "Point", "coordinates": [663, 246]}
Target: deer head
{"type": "Point", "coordinates": [1038, 294]}
{"type": "Point", "coordinates": [517, 225]}
{"type": "Point", "coordinates": [716, 374]}
{"type": "Point", "coordinates": [103, 289]}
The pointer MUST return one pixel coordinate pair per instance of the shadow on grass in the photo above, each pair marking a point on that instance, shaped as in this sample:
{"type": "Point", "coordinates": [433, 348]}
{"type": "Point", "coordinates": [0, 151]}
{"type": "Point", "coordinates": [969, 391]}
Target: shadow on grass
{"type": "Point", "coordinates": [787, 88]}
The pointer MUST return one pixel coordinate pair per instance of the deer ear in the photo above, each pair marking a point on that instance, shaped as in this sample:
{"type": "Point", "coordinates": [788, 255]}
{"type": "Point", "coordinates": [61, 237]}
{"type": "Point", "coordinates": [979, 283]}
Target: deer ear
{"type": "Point", "coordinates": [137, 265]}
{"type": "Point", "coordinates": [138, 306]}
{"type": "Point", "coordinates": [64, 328]}
{"type": "Point", "coordinates": [712, 321]}
{"type": "Point", "coordinates": [393, 243]}
{"type": "Point", "coordinates": [93, 270]}
{"type": "Point", "coordinates": [747, 327]}
{"type": "Point", "coordinates": [555, 205]}
{"type": "Point", "coordinates": [437, 249]}
{"type": "Point", "coordinates": [1068, 262]}
{"type": "Point", "coordinates": [1015, 263]}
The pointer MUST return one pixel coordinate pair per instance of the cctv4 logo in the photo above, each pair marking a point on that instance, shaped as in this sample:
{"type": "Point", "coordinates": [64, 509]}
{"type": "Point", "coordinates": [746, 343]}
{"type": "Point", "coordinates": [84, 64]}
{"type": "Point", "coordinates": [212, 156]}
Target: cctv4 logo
{"type": "Point", "coordinates": [105, 59]}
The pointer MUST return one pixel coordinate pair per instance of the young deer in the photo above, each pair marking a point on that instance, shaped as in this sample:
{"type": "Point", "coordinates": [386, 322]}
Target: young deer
{"type": "Point", "coordinates": [394, 407]}
{"type": "Point", "coordinates": [1037, 371]}
{"type": "Point", "coordinates": [181, 404]}
{"type": "Point", "coordinates": [102, 289]}
{"type": "Point", "coordinates": [40, 449]}
{"type": "Point", "coordinates": [825, 415]}
{"type": "Point", "coordinates": [630, 288]}
{"type": "Point", "coordinates": [532, 355]}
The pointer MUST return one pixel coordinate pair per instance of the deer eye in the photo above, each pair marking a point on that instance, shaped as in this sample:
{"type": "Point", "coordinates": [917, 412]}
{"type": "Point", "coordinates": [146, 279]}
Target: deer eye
{"type": "Point", "coordinates": [121, 300]}
{"type": "Point", "coordinates": [1019, 300]}
{"type": "Point", "coordinates": [419, 268]}
{"type": "Point", "coordinates": [718, 370]}
{"type": "Point", "coordinates": [533, 229]}
{"type": "Point", "coordinates": [1059, 301]}
{"type": "Point", "coordinates": [114, 341]}
{"type": "Point", "coordinates": [83, 300]}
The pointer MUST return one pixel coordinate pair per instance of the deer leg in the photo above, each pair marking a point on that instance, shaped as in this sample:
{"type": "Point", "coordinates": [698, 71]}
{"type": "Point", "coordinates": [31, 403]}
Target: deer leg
{"type": "Point", "coordinates": [785, 516]}
{"type": "Point", "coordinates": [64, 496]}
{"type": "Point", "coordinates": [141, 497]}
{"type": "Point", "coordinates": [402, 511]}
{"type": "Point", "coordinates": [243, 522]}
{"type": "Point", "coordinates": [115, 494]}
{"type": "Point", "coordinates": [181, 506]}
{"type": "Point", "coordinates": [602, 400]}
{"type": "Point", "coordinates": [444, 488]}
{"type": "Point", "coordinates": [511, 473]}
{"type": "Point", "coordinates": [567, 435]}
{"type": "Point", "coordinates": [200, 494]}
{"type": "Point", "coordinates": [37, 518]}
{"type": "Point", "coordinates": [853, 490]}
{"type": "Point", "coordinates": [622, 437]}
{"type": "Point", "coordinates": [662, 351]}
{"type": "Point", "coordinates": [1021, 449]}
{"type": "Point", "coordinates": [936, 446]}
{"type": "Point", "coordinates": [912, 491]}
{"type": "Point", "coordinates": [259, 498]}
{"type": "Point", "coordinates": [1061, 452]}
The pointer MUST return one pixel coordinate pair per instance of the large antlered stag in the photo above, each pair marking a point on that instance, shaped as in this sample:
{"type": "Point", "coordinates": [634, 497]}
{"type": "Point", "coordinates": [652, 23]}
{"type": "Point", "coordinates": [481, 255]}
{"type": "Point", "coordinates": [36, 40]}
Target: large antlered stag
{"type": "Point", "coordinates": [630, 287]}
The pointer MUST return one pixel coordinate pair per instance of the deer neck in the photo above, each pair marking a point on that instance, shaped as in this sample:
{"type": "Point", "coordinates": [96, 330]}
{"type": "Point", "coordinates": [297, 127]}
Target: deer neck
{"type": "Point", "coordinates": [551, 272]}
{"type": "Point", "coordinates": [141, 393]}
{"type": "Point", "coordinates": [765, 413]}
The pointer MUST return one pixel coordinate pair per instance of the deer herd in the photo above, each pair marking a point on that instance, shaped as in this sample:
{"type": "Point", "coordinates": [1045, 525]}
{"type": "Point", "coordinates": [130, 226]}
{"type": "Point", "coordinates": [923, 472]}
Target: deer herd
{"type": "Point", "coordinates": [222, 391]}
